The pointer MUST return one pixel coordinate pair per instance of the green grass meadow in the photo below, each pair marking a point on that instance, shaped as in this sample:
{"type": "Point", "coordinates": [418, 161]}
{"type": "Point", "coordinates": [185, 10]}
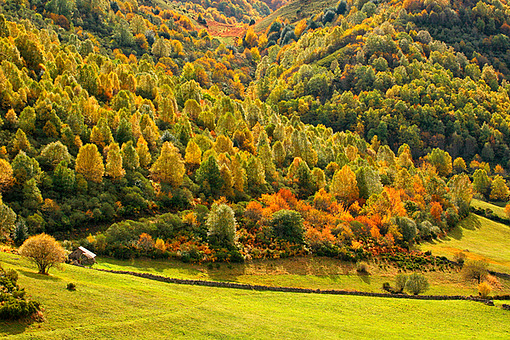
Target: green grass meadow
{"type": "Point", "coordinates": [116, 306]}
{"type": "Point", "coordinates": [480, 239]}
{"type": "Point", "coordinates": [497, 207]}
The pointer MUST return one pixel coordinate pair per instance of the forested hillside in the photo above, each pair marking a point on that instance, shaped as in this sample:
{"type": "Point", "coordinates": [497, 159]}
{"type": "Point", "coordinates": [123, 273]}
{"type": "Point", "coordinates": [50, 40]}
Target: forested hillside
{"type": "Point", "coordinates": [358, 131]}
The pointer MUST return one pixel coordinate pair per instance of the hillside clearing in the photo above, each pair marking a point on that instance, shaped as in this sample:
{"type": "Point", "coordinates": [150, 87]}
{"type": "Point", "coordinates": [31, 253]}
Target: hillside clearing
{"type": "Point", "coordinates": [295, 11]}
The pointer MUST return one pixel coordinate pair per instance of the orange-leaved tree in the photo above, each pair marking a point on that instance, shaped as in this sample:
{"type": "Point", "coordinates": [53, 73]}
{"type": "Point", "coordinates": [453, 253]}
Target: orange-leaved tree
{"type": "Point", "coordinates": [44, 251]}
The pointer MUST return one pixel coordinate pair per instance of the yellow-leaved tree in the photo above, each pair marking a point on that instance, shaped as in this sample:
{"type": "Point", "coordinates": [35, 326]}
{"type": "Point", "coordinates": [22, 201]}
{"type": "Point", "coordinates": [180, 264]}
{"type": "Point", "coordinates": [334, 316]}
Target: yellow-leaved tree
{"type": "Point", "coordinates": [344, 185]}
{"type": "Point", "coordinates": [114, 167]}
{"type": "Point", "coordinates": [44, 251]}
{"type": "Point", "coordinates": [6, 176]}
{"type": "Point", "coordinates": [169, 167]}
{"type": "Point", "coordinates": [89, 163]}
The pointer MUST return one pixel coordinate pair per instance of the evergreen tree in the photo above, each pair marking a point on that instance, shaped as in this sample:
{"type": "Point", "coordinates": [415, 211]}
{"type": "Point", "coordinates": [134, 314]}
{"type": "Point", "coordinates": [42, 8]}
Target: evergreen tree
{"type": "Point", "coordinates": [64, 178]}
{"type": "Point", "coordinates": [25, 168]}
{"type": "Point", "coordinates": [208, 176]}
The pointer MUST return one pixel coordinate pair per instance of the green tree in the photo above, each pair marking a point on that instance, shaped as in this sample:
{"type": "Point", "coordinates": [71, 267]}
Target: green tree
{"type": "Point", "coordinates": [29, 51]}
{"type": "Point", "coordinates": [54, 153]}
{"type": "Point", "coordinates": [369, 182]}
{"type": "Point", "coordinates": [209, 176]}
{"type": "Point", "coordinates": [222, 226]}
{"type": "Point", "coordinates": [32, 197]}
{"type": "Point", "coordinates": [441, 160]}
{"type": "Point", "coordinates": [407, 227]}
{"type": "Point", "coordinates": [288, 225]}
{"type": "Point", "coordinates": [25, 168]}
{"type": "Point", "coordinates": [130, 159]}
{"type": "Point", "coordinates": [64, 179]}
{"type": "Point", "coordinates": [124, 131]}
{"type": "Point", "coordinates": [482, 182]}
{"type": "Point", "coordinates": [27, 119]}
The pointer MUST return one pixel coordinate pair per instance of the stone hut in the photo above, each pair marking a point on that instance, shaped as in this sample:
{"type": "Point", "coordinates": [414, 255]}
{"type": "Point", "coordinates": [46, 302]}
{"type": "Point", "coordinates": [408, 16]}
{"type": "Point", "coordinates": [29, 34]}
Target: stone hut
{"type": "Point", "coordinates": [82, 256]}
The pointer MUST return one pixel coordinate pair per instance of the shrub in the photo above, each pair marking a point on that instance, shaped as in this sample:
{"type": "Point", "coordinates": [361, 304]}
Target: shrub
{"type": "Point", "coordinates": [416, 284]}
{"type": "Point", "coordinates": [459, 257]}
{"type": "Point", "coordinates": [387, 287]}
{"type": "Point", "coordinates": [13, 304]}
{"type": "Point", "coordinates": [484, 289]}
{"type": "Point", "coordinates": [362, 268]}
{"type": "Point", "coordinates": [71, 286]}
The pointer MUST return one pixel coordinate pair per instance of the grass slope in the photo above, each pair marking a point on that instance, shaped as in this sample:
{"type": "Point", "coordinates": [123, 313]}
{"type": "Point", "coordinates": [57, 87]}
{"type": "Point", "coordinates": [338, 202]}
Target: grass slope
{"type": "Point", "coordinates": [498, 209]}
{"type": "Point", "coordinates": [115, 306]}
{"type": "Point", "coordinates": [306, 272]}
{"type": "Point", "coordinates": [308, 8]}
{"type": "Point", "coordinates": [479, 238]}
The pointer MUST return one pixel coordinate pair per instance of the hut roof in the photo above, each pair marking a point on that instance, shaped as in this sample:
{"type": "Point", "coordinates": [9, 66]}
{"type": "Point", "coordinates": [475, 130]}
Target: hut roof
{"type": "Point", "coordinates": [87, 252]}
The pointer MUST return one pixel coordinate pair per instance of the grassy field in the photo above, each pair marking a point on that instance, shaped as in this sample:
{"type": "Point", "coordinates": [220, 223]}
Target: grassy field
{"type": "Point", "coordinates": [479, 238]}
{"type": "Point", "coordinates": [116, 306]}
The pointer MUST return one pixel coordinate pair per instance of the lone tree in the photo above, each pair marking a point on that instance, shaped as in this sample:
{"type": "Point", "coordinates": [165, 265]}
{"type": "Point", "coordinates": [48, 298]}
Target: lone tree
{"type": "Point", "coordinates": [475, 270]}
{"type": "Point", "coordinates": [44, 251]}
